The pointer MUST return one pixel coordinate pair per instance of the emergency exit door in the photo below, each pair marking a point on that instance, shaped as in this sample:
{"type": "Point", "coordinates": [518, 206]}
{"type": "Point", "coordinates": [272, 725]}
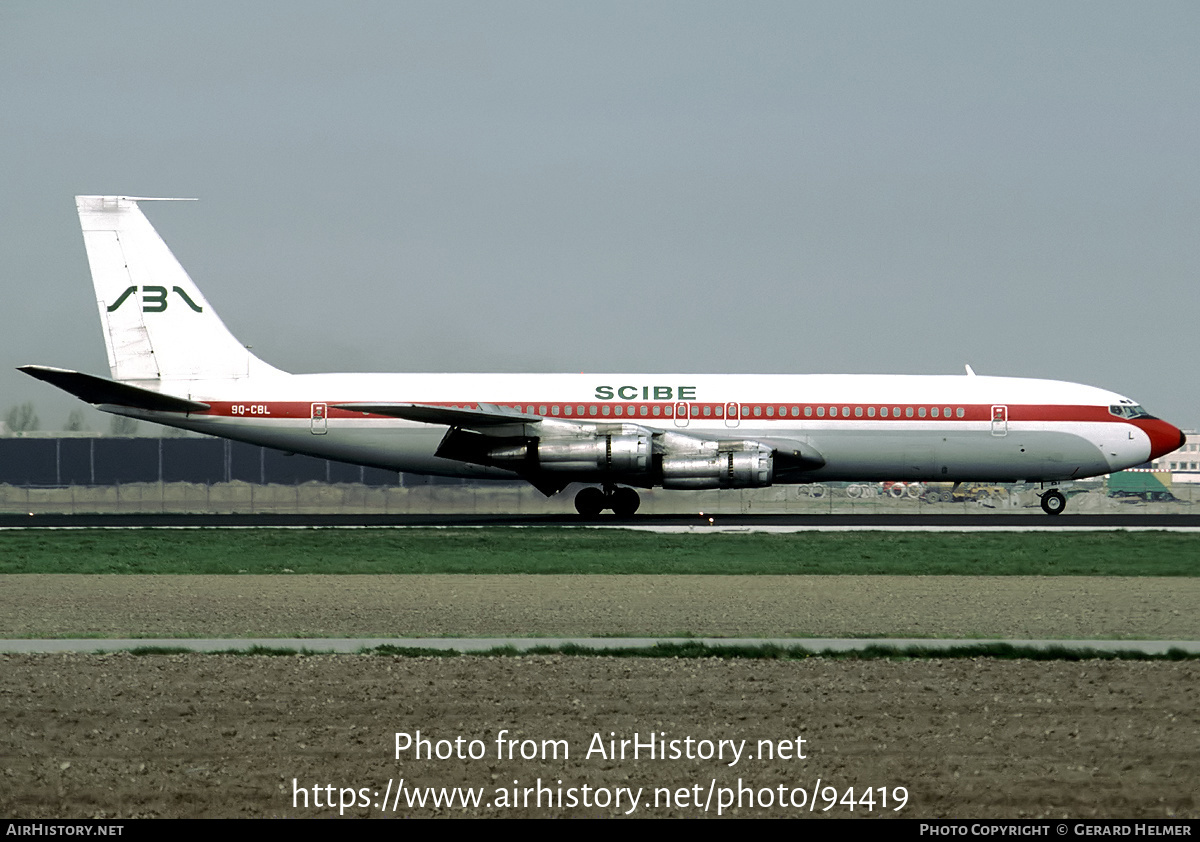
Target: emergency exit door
{"type": "Point", "coordinates": [320, 414]}
{"type": "Point", "coordinates": [999, 420]}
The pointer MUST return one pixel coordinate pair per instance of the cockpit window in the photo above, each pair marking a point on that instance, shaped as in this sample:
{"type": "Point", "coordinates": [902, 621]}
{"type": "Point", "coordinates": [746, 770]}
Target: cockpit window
{"type": "Point", "coordinates": [1129, 412]}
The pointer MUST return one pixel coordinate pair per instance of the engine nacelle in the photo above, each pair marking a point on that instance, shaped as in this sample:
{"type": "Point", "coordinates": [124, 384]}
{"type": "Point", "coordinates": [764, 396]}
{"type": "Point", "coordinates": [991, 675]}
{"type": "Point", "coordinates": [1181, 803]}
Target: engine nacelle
{"type": "Point", "coordinates": [724, 469]}
{"type": "Point", "coordinates": [601, 454]}
{"type": "Point", "coordinates": [607, 454]}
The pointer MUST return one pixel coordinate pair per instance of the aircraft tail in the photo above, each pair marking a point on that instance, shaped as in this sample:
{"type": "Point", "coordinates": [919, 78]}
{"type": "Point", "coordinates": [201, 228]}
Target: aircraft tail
{"type": "Point", "coordinates": [157, 325]}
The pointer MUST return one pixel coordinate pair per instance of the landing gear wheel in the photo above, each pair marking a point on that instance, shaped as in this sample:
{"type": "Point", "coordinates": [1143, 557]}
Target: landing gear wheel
{"type": "Point", "coordinates": [590, 501]}
{"type": "Point", "coordinates": [624, 502]}
{"type": "Point", "coordinates": [1053, 502]}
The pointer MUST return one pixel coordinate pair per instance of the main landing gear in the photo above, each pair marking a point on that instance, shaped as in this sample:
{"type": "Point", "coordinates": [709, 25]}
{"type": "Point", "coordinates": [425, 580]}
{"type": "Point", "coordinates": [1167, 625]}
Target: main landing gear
{"type": "Point", "coordinates": [591, 501]}
{"type": "Point", "coordinates": [1053, 502]}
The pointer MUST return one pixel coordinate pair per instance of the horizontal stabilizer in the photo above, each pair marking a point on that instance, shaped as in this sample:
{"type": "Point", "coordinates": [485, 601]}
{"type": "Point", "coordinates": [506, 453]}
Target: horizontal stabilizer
{"type": "Point", "coordinates": [99, 390]}
{"type": "Point", "coordinates": [488, 415]}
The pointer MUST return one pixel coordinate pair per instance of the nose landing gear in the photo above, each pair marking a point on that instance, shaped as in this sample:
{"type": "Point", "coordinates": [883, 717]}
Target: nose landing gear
{"type": "Point", "coordinates": [623, 501]}
{"type": "Point", "coordinates": [1053, 502]}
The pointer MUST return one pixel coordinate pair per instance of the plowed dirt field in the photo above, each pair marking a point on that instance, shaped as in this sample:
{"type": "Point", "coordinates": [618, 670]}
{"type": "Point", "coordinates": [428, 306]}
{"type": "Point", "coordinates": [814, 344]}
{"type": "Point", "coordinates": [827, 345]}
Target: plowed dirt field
{"type": "Point", "coordinates": [196, 735]}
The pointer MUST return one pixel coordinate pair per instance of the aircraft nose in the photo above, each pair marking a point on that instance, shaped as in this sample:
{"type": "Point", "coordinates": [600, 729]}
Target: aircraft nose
{"type": "Point", "coordinates": [1164, 437]}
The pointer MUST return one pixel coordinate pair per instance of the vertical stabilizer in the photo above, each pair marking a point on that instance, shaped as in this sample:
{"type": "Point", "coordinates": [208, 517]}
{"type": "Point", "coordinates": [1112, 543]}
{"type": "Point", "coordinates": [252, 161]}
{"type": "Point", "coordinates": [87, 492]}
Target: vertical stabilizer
{"type": "Point", "coordinates": [157, 324]}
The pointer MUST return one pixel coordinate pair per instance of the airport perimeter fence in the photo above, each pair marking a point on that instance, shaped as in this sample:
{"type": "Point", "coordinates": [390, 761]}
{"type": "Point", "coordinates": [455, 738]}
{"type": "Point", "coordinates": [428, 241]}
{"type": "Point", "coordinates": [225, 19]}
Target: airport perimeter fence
{"type": "Point", "coordinates": [54, 462]}
{"type": "Point", "coordinates": [86, 474]}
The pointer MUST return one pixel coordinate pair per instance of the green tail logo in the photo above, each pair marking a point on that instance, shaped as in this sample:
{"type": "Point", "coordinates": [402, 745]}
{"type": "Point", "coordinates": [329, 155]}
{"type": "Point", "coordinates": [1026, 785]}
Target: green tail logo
{"type": "Point", "coordinates": [154, 299]}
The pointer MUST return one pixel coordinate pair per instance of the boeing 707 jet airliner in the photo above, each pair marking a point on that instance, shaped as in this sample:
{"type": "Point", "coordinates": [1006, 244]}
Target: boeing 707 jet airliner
{"type": "Point", "coordinates": [172, 361]}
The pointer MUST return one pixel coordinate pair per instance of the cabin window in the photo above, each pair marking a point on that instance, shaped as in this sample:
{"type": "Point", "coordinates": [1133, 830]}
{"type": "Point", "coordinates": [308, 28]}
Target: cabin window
{"type": "Point", "coordinates": [908, 412]}
{"type": "Point", "coordinates": [757, 411]}
{"type": "Point", "coordinates": [933, 412]}
{"type": "Point", "coordinates": [770, 412]}
{"type": "Point", "coordinates": [657, 411]}
{"type": "Point", "coordinates": [619, 410]}
{"type": "Point", "coordinates": [808, 412]}
{"type": "Point", "coordinates": [795, 412]}
{"type": "Point", "coordinates": [946, 412]}
{"type": "Point", "coordinates": [707, 411]}
{"type": "Point", "coordinates": [554, 410]}
{"type": "Point", "coordinates": [592, 409]}
{"type": "Point", "coordinates": [833, 412]}
{"type": "Point", "coordinates": [870, 412]}
{"type": "Point", "coordinates": [604, 409]}
{"type": "Point", "coordinates": [960, 412]}
{"type": "Point", "coordinates": [644, 410]}
{"type": "Point", "coordinates": [667, 411]}
{"type": "Point", "coordinates": [858, 412]}
{"type": "Point", "coordinates": [566, 410]}
{"type": "Point", "coordinates": [720, 411]}
{"type": "Point", "coordinates": [883, 412]}
{"type": "Point", "coordinates": [921, 412]}
{"type": "Point", "coordinates": [820, 412]}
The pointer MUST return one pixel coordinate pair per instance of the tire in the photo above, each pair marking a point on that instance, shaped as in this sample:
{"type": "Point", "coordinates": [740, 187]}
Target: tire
{"type": "Point", "coordinates": [624, 502]}
{"type": "Point", "coordinates": [1053, 502]}
{"type": "Point", "coordinates": [589, 502]}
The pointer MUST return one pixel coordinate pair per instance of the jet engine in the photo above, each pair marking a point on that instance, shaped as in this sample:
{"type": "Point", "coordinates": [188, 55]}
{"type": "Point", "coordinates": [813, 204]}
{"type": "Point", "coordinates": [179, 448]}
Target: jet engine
{"type": "Point", "coordinates": [605, 454]}
{"type": "Point", "coordinates": [725, 469]}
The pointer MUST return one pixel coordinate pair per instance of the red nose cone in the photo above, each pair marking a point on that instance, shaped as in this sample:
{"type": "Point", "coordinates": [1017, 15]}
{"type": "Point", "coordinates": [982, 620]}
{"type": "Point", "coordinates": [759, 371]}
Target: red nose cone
{"type": "Point", "coordinates": [1164, 437]}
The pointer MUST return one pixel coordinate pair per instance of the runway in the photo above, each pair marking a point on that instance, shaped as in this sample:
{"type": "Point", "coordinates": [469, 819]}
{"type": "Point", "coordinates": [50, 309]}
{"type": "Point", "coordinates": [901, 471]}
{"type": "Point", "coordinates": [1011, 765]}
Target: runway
{"type": "Point", "coordinates": [677, 522]}
{"type": "Point", "coordinates": [480, 645]}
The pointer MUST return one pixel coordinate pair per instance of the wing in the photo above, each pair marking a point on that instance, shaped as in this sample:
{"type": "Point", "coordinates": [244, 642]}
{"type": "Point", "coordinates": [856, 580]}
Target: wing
{"type": "Point", "coordinates": [551, 453]}
{"type": "Point", "coordinates": [487, 415]}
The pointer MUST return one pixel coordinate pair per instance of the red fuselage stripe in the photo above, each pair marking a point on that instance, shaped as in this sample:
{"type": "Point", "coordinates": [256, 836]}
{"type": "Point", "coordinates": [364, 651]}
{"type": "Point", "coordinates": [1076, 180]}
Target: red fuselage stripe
{"type": "Point", "coordinates": [593, 411]}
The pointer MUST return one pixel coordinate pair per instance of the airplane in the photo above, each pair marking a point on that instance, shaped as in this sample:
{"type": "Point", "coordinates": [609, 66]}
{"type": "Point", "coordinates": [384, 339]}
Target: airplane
{"type": "Point", "coordinates": [172, 361]}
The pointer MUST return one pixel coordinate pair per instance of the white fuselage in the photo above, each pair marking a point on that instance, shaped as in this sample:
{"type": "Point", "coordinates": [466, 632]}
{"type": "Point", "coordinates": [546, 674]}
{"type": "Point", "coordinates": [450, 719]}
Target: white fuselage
{"type": "Point", "coordinates": [867, 427]}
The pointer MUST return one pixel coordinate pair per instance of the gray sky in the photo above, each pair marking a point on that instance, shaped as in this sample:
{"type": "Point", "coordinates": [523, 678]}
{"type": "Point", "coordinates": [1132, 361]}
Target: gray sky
{"type": "Point", "coordinates": [645, 186]}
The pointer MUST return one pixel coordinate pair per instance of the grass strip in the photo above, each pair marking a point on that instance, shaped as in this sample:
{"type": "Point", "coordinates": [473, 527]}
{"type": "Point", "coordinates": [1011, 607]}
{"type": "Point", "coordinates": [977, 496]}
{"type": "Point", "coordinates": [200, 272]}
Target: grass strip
{"type": "Point", "coordinates": [770, 652]}
{"type": "Point", "coordinates": [555, 550]}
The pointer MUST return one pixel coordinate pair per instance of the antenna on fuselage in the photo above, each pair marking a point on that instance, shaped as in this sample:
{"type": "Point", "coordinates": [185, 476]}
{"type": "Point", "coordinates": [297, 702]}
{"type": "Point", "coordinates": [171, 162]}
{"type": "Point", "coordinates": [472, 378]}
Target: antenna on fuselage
{"type": "Point", "coordinates": [970, 371]}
